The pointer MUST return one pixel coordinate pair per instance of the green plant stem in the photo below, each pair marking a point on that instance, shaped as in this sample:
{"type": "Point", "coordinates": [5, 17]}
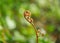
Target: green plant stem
{"type": "Point", "coordinates": [36, 33]}
{"type": "Point", "coordinates": [3, 37]}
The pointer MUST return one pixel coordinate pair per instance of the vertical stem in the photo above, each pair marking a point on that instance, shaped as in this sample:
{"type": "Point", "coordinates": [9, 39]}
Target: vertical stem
{"type": "Point", "coordinates": [36, 33]}
{"type": "Point", "coordinates": [3, 37]}
{"type": "Point", "coordinates": [36, 37]}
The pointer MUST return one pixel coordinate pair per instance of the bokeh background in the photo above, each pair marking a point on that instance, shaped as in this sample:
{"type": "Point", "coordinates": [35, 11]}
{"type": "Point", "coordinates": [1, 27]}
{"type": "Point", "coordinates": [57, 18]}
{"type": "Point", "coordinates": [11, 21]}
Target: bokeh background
{"type": "Point", "coordinates": [15, 29]}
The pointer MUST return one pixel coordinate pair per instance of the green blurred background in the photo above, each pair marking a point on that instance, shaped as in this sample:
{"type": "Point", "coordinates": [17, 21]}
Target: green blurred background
{"type": "Point", "coordinates": [13, 26]}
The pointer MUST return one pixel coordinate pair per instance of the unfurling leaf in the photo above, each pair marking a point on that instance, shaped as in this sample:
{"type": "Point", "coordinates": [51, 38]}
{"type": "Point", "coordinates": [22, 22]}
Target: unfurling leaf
{"type": "Point", "coordinates": [27, 15]}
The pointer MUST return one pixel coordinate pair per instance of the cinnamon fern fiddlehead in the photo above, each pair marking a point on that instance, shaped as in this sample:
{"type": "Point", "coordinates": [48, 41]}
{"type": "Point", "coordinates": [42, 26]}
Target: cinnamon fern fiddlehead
{"type": "Point", "coordinates": [27, 16]}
